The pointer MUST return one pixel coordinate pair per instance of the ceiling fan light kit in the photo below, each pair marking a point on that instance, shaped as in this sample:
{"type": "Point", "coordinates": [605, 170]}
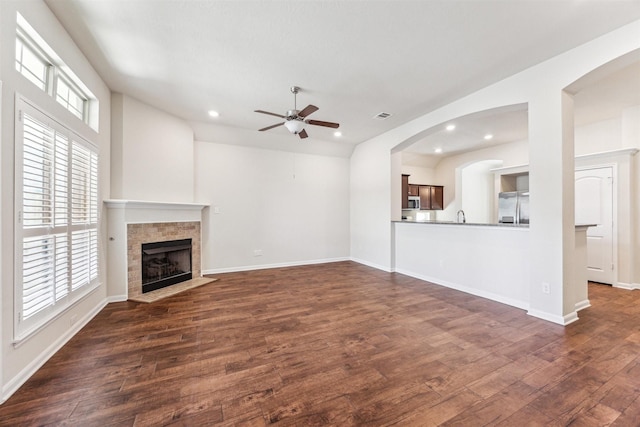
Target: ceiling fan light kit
{"type": "Point", "coordinates": [294, 126]}
{"type": "Point", "coordinates": [295, 119]}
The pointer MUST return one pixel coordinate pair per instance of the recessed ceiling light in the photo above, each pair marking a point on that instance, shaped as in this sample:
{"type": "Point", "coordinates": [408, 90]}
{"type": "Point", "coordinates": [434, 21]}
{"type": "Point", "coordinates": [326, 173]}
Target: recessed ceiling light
{"type": "Point", "coordinates": [451, 127]}
{"type": "Point", "coordinates": [438, 150]}
{"type": "Point", "coordinates": [337, 134]}
{"type": "Point", "coordinates": [213, 113]}
{"type": "Point", "coordinates": [488, 136]}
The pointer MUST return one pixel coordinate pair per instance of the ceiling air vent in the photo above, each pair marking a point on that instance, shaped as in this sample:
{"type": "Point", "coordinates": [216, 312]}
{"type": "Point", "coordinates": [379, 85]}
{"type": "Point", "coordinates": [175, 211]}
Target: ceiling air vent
{"type": "Point", "coordinates": [382, 116]}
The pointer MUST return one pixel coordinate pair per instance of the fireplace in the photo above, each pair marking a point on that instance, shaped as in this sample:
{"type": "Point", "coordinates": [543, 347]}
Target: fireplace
{"type": "Point", "coordinates": [165, 264]}
{"type": "Point", "coordinates": [132, 223]}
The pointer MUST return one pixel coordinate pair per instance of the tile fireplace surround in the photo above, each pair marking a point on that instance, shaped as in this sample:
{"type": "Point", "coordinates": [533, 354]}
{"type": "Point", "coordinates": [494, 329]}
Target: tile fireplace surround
{"type": "Point", "coordinates": [131, 223]}
{"type": "Point", "coordinates": [137, 234]}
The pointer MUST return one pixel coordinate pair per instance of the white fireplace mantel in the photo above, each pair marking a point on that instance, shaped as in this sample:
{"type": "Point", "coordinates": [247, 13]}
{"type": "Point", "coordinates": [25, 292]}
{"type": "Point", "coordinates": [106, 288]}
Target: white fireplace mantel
{"type": "Point", "coordinates": [138, 211]}
{"type": "Point", "coordinates": [143, 204]}
{"type": "Point", "coordinates": [120, 213]}
{"type": "Point", "coordinates": [148, 211]}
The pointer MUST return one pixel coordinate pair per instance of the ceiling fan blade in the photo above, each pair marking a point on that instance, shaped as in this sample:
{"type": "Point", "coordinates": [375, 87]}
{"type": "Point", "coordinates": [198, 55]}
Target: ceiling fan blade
{"type": "Point", "coordinates": [321, 123]}
{"type": "Point", "coordinates": [271, 127]}
{"type": "Point", "coordinates": [271, 114]}
{"type": "Point", "coordinates": [307, 110]}
{"type": "Point", "coordinates": [302, 134]}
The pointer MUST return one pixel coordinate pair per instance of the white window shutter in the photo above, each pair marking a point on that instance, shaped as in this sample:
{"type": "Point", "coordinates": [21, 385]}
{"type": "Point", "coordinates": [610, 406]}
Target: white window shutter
{"type": "Point", "coordinates": [38, 275]}
{"type": "Point", "coordinates": [57, 227]}
{"type": "Point", "coordinates": [37, 173]}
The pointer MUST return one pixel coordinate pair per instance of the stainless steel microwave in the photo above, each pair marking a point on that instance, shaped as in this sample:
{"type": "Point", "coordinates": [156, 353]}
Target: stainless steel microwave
{"type": "Point", "coordinates": [414, 202]}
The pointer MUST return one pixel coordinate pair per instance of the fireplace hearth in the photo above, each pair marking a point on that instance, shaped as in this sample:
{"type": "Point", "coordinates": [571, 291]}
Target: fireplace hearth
{"type": "Point", "coordinates": [165, 264]}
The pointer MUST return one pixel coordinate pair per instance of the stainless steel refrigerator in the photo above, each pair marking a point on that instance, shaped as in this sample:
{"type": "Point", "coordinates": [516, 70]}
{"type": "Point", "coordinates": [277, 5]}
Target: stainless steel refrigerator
{"type": "Point", "coordinates": [513, 207]}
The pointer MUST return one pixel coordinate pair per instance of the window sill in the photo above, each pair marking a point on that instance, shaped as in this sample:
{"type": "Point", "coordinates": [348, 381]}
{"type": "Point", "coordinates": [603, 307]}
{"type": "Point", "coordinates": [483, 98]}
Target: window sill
{"type": "Point", "coordinates": [24, 336]}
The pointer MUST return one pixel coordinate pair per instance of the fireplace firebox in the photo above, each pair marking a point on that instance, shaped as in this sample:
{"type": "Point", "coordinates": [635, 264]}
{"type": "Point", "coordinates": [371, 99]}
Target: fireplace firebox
{"type": "Point", "coordinates": [165, 264]}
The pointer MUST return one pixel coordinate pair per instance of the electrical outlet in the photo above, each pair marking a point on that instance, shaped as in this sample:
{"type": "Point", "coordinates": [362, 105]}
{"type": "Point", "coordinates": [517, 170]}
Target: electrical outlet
{"type": "Point", "coordinates": [545, 288]}
{"type": "Point", "coordinates": [257, 252]}
{"type": "Point", "coordinates": [216, 209]}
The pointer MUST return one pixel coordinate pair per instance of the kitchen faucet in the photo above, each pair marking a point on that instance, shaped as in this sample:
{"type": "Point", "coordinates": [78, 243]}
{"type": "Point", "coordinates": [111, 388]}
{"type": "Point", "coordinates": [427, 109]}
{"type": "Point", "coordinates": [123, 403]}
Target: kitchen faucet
{"type": "Point", "coordinates": [464, 219]}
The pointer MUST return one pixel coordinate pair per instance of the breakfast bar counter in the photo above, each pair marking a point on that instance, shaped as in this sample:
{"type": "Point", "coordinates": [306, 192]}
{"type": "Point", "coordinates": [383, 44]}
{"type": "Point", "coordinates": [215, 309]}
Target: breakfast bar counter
{"type": "Point", "coordinates": [481, 224]}
{"type": "Point", "coordinates": [488, 260]}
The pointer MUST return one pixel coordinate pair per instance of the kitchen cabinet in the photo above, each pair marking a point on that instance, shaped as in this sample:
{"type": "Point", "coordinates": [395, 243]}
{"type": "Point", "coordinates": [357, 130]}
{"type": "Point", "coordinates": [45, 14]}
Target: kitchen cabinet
{"type": "Point", "coordinates": [431, 197]}
{"type": "Point", "coordinates": [414, 190]}
{"type": "Point", "coordinates": [437, 197]}
{"type": "Point", "coordinates": [405, 191]}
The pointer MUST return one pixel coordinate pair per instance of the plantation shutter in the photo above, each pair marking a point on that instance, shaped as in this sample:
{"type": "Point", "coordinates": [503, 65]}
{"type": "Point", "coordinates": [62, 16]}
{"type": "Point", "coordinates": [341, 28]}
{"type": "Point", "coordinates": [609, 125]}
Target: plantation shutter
{"type": "Point", "coordinates": [37, 216]}
{"type": "Point", "coordinates": [57, 230]}
{"type": "Point", "coordinates": [84, 208]}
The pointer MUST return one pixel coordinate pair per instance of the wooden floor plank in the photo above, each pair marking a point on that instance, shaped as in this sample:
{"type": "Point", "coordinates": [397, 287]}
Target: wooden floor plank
{"type": "Point", "coordinates": [339, 344]}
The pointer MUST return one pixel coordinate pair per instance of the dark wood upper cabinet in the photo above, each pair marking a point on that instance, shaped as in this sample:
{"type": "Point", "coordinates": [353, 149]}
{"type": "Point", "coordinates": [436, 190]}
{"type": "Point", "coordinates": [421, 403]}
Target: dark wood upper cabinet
{"type": "Point", "coordinates": [437, 197]}
{"type": "Point", "coordinates": [405, 191]}
{"type": "Point", "coordinates": [431, 197]}
{"type": "Point", "coordinates": [425, 197]}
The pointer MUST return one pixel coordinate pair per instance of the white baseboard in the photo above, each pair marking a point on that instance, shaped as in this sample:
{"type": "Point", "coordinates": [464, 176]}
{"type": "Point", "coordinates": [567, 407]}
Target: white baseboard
{"type": "Point", "coordinates": [622, 285]}
{"type": "Point", "coordinates": [267, 266]}
{"type": "Point", "coordinates": [477, 292]}
{"type": "Point", "coordinates": [560, 320]}
{"type": "Point", "coordinates": [570, 318]}
{"type": "Point", "coordinates": [292, 264]}
{"type": "Point", "coordinates": [372, 265]}
{"type": "Point", "coordinates": [627, 286]}
{"type": "Point", "coordinates": [16, 382]}
{"type": "Point", "coordinates": [582, 305]}
{"type": "Point", "coordinates": [117, 298]}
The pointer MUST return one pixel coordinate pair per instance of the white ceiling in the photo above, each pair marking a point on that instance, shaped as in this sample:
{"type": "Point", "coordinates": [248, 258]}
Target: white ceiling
{"type": "Point", "coordinates": [353, 59]}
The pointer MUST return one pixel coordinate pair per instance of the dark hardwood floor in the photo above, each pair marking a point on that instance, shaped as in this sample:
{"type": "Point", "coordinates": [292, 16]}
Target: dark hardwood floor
{"type": "Point", "coordinates": [339, 344]}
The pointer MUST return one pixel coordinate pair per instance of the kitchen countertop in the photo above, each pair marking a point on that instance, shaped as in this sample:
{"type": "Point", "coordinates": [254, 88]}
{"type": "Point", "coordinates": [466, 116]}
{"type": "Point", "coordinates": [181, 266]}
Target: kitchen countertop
{"type": "Point", "coordinates": [495, 224]}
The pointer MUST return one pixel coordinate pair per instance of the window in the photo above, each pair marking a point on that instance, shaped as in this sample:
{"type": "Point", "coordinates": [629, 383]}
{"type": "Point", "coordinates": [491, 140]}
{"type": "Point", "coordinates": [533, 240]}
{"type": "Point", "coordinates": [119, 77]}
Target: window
{"type": "Point", "coordinates": [39, 64]}
{"type": "Point", "coordinates": [70, 97]}
{"type": "Point", "coordinates": [32, 64]}
{"type": "Point", "coordinates": [57, 222]}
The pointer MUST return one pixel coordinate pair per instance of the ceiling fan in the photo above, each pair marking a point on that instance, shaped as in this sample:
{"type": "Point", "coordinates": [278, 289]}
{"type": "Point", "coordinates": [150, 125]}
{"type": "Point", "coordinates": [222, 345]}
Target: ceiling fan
{"type": "Point", "coordinates": [296, 119]}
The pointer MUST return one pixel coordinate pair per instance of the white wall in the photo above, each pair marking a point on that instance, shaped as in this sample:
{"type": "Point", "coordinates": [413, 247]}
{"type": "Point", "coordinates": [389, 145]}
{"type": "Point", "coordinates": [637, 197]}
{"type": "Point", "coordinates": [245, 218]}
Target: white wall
{"type": "Point", "coordinates": [292, 207]}
{"type": "Point", "coordinates": [512, 154]}
{"type": "Point", "coordinates": [550, 152]}
{"type": "Point", "coordinates": [152, 153]}
{"type": "Point", "coordinates": [371, 205]}
{"type": "Point", "coordinates": [19, 362]}
{"type": "Point", "coordinates": [420, 175]}
{"type": "Point", "coordinates": [600, 136]}
{"type": "Point", "coordinates": [631, 138]}
{"type": "Point", "coordinates": [635, 224]}
{"type": "Point", "coordinates": [478, 193]}
{"type": "Point", "coordinates": [630, 135]}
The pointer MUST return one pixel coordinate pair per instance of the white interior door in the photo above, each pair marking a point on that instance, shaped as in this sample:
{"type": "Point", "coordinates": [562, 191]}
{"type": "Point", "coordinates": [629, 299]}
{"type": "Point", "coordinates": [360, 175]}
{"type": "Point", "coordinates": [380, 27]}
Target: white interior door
{"type": "Point", "coordinates": [594, 205]}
